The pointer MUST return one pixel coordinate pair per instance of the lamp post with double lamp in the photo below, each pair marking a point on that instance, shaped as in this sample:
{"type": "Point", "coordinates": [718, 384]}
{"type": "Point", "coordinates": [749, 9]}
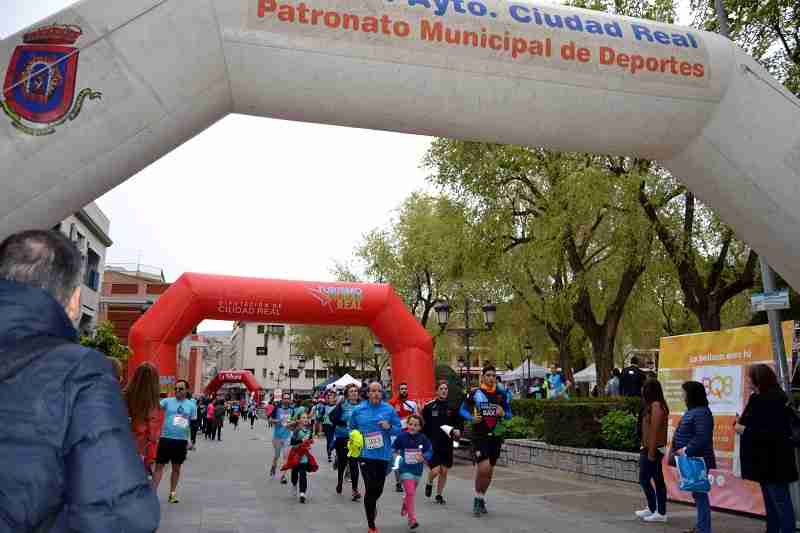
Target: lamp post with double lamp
{"type": "Point", "coordinates": [528, 356]}
{"type": "Point", "coordinates": [280, 377]}
{"type": "Point", "coordinates": [301, 365]}
{"type": "Point", "coordinates": [443, 317]}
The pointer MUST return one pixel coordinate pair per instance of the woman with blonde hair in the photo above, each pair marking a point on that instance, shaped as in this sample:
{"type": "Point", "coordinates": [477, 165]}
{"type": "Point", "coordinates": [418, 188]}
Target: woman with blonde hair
{"type": "Point", "coordinates": [142, 398]}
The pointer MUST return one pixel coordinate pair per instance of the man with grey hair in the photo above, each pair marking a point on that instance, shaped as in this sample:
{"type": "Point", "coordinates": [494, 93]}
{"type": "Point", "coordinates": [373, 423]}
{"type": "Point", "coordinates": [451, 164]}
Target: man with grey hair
{"type": "Point", "coordinates": [68, 461]}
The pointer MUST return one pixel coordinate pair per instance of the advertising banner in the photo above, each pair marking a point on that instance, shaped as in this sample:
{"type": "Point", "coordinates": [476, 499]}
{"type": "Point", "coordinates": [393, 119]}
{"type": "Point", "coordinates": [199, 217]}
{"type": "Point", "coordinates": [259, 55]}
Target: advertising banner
{"type": "Point", "coordinates": [719, 360]}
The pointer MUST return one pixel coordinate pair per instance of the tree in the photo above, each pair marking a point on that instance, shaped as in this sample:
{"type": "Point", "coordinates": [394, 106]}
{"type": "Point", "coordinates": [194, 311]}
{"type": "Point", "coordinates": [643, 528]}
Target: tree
{"type": "Point", "coordinates": [420, 254]}
{"type": "Point", "coordinates": [573, 218]}
{"type": "Point", "coordinates": [711, 264]}
{"type": "Point", "coordinates": [328, 342]}
{"type": "Point", "coordinates": [104, 340]}
{"type": "Point", "coordinates": [769, 30]}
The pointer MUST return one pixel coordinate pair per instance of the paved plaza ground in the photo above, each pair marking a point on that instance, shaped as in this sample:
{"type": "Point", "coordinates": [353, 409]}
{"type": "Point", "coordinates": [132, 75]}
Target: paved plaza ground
{"type": "Point", "coordinates": [225, 489]}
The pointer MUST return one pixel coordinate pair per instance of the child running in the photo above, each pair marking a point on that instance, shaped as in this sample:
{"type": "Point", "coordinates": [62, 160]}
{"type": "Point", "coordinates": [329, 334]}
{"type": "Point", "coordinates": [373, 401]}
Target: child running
{"type": "Point", "coordinates": [413, 449]}
{"type": "Point", "coordinates": [300, 460]}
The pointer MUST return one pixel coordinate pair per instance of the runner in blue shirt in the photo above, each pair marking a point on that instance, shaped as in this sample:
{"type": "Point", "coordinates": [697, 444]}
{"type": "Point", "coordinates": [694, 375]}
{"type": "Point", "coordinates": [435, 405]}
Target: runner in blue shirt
{"type": "Point", "coordinates": [178, 414]}
{"type": "Point", "coordinates": [340, 418]}
{"type": "Point", "coordinates": [377, 421]}
{"type": "Point", "coordinates": [281, 416]}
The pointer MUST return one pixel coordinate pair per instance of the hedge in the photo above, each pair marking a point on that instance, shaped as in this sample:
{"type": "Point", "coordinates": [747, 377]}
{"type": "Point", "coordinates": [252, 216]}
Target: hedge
{"type": "Point", "coordinates": [575, 423]}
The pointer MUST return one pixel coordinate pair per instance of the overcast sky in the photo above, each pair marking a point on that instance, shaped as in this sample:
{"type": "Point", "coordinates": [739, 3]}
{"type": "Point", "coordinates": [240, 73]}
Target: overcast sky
{"type": "Point", "coordinates": [246, 197]}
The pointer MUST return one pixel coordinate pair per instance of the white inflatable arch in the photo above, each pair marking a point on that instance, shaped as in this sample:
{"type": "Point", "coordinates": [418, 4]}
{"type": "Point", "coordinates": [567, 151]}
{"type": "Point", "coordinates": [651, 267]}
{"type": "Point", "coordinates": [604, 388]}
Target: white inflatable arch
{"type": "Point", "coordinates": [102, 89]}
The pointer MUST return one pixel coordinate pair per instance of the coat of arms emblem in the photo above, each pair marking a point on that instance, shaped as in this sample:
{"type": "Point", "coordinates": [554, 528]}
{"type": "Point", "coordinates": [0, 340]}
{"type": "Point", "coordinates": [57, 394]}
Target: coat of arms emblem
{"type": "Point", "coordinates": [39, 89]}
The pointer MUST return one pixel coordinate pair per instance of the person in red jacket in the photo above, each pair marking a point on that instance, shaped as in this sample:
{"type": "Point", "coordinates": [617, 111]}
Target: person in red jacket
{"type": "Point", "coordinates": [142, 400]}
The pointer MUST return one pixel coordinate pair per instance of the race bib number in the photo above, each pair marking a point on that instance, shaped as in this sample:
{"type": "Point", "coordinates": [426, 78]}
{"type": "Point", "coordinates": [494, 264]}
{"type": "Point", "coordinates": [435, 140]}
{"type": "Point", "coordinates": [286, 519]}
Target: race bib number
{"type": "Point", "coordinates": [373, 441]}
{"type": "Point", "coordinates": [180, 422]}
{"type": "Point", "coordinates": [489, 415]}
{"type": "Point", "coordinates": [410, 457]}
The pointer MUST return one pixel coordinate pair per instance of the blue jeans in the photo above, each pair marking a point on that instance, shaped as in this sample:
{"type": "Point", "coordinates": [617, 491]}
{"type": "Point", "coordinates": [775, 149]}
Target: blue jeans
{"type": "Point", "coordinates": [703, 512]}
{"type": "Point", "coordinates": [780, 512]}
{"type": "Point", "coordinates": [651, 473]}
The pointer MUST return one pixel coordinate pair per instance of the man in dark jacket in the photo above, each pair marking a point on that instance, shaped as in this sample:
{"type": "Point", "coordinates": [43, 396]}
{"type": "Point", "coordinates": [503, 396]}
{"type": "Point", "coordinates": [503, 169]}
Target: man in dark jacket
{"type": "Point", "coordinates": [630, 384]}
{"type": "Point", "coordinates": [68, 461]}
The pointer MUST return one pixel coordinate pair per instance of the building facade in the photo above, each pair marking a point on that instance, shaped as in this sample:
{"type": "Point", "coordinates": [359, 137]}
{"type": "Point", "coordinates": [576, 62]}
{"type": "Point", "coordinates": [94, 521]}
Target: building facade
{"type": "Point", "coordinates": [201, 356]}
{"type": "Point", "coordinates": [266, 350]}
{"type": "Point", "coordinates": [127, 292]}
{"type": "Point", "coordinates": [89, 230]}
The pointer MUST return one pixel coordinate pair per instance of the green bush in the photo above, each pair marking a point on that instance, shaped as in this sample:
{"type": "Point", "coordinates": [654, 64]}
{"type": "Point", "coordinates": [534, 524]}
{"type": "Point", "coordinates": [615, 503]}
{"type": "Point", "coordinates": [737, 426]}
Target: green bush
{"type": "Point", "coordinates": [516, 428]}
{"type": "Point", "coordinates": [537, 427]}
{"type": "Point", "coordinates": [619, 431]}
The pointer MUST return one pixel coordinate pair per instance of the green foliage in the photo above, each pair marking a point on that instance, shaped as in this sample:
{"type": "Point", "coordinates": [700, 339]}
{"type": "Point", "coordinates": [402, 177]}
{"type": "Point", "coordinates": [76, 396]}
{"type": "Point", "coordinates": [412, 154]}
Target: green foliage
{"type": "Point", "coordinates": [326, 342]}
{"type": "Point", "coordinates": [619, 431]}
{"type": "Point", "coordinates": [516, 428]}
{"type": "Point", "coordinates": [577, 423]}
{"type": "Point", "coordinates": [537, 427]}
{"type": "Point", "coordinates": [104, 340]}
{"type": "Point", "coordinates": [769, 30]}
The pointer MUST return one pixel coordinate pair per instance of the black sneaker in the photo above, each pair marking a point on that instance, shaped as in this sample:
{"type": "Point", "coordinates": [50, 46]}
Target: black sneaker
{"type": "Point", "coordinates": [413, 526]}
{"type": "Point", "coordinates": [483, 506]}
{"type": "Point", "coordinates": [338, 489]}
{"type": "Point", "coordinates": [356, 496]}
{"type": "Point", "coordinates": [439, 499]}
{"type": "Point", "coordinates": [283, 481]}
{"type": "Point", "coordinates": [428, 490]}
{"type": "Point", "coordinates": [302, 498]}
{"type": "Point", "coordinates": [398, 487]}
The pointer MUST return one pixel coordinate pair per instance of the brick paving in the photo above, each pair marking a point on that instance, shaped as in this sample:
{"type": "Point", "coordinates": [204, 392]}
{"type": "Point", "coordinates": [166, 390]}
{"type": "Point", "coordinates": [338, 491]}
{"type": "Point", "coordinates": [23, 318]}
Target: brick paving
{"type": "Point", "coordinates": [225, 489]}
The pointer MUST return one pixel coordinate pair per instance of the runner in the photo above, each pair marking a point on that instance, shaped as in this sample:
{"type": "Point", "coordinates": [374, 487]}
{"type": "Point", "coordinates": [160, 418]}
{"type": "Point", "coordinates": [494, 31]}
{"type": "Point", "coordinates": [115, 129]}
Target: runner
{"type": "Point", "coordinates": [300, 460]}
{"type": "Point", "coordinates": [194, 425]}
{"type": "Point", "coordinates": [404, 408]}
{"type": "Point", "coordinates": [211, 424]}
{"type": "Point", "coordinates": [219, 418]}
{"type": "Point", "coordinates": [340, 418]}
{"type": "Point", "coordinates": [252, 413]}
{"type": "Point", "coordinates": [327, 425]}
{"type": "Point", "coordinates": [438, 416]}
{"type": "Point", "coordinates": [235, 411]}
{"type": "Point", "coordinates": [412, 449]}
{"type": "Point", "coordinates": [377, 421]}
{"type": "Point", "coordinates": [483, 407]}
{"type": "Point", "coordinates": [281, 416]}
{"type": "Point", "coordinates": [179, 412]}
{"type": "Point", "coordinates": [141, 398]}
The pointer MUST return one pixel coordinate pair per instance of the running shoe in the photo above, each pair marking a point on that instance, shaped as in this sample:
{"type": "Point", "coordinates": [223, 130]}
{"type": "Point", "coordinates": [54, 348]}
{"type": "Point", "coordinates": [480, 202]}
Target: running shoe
{"type": "Point", "coordinates": [356, 496]}
{"type": "Point", "coordinates": [483, 506]}
{"type": "Point", "coordinates": [372, 530]}
{"type": "Point", "coordinates": [476, 506]}
{"type": "Point", "coordinates": [173, 498]}
{"type": "Point", "coordinates": [644, 513]}
{"type": "Point", "coordinates": [283, 480]}
{"type": "Point", "coordinates": [339, 489]}
{"type": "Point", "coordinates": [439, 499]}
{"type": "Point", "coordinates": [656, 517]}
{"type": "Point", "coordinates": [413, 526]}
{"type": "Point", "coordinates": [398, 487]}
{"type": "Point", "coordinates": [272, 471]}
{"type": "Point", "coordinates": [302, 498]}
{"type": "Point", "coordinates": [428, 490]}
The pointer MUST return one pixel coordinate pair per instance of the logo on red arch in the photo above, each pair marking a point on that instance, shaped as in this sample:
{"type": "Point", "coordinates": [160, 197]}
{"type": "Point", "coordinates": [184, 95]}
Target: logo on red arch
{"type": "Point", "coordinates": [40, 82]}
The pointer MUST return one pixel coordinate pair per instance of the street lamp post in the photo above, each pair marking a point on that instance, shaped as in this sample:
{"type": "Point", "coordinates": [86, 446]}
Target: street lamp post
{"type": "Point", "coordinates": [377, 351]}
{"type": "Point", "coordinates": [443, 317]}
{"type": "Point", "coordinates": [301, 365]}
{"type": "Point", "coordinates": [528, 355]}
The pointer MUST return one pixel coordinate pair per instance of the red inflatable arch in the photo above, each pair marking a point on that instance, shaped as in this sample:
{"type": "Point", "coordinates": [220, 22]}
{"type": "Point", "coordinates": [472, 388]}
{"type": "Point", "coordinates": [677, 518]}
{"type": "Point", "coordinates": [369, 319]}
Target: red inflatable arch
{"type": "Point", "coordinates": [196, 297]}
{"type": "Point", "coordinates": [234, 376]}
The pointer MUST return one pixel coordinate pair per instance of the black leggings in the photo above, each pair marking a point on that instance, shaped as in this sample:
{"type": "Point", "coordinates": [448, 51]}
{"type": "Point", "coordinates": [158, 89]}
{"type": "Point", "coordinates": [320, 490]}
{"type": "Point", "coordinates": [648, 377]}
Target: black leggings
{"type": "Point", "coordinates": [194, 425]}
{"type": "Point", "coordinates": [211, 428]}
{"type": "Point", "coordinates": [252, 420]}
{"type": "Point", "coordinates": [374, 472]}
{"type": "Point", "coordinates": [342, 462]}
{"type": "Point", "coordinates": [219, 424]}
{"type": "Point", "coordinates": [300, 472]}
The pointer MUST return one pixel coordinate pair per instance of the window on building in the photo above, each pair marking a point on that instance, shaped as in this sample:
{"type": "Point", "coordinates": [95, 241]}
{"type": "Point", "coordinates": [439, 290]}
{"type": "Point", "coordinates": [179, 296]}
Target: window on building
{"type": "Point", "coordinates": [91, 275]}
{"type": "Point", "coordinates": [264, 373]}
{"type": "Point", "coordinates": [261, 350]}
{"type": "Point", "coordinates": [309, 374]}
{"type": "Point", "coordinates": [322, 374]}
{"type": "Point", "coordinates": [294, 373]}
{"type": "Point", "coordinates": [276, 329]}
{"type": "Point", "coordinates": [261, 330]}
{"type": "Point", "coordinates": [124, 288]}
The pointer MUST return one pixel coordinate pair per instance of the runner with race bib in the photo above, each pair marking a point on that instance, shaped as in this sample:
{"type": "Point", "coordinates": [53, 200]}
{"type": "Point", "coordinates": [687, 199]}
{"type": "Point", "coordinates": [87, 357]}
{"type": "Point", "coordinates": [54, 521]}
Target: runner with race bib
{"type": "Point", "coordinates": [378, 422]}
{"type": "Point", "coordinates": [178, 414]}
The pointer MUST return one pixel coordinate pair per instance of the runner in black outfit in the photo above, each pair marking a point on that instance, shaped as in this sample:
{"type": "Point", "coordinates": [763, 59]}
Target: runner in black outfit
{"type": "Point", "coordinates": [436, 414]}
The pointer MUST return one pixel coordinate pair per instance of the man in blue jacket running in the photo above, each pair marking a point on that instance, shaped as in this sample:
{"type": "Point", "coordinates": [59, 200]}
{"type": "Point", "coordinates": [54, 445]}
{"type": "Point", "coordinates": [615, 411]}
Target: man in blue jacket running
{"type": "Point", "coordinates": [377, 421]}
{"type": "Point", "coordinates": [68, 461]}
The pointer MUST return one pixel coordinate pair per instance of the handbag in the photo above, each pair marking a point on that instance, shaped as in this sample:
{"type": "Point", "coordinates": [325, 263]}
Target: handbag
{"type": "Point", "coordinates": [692, 474]}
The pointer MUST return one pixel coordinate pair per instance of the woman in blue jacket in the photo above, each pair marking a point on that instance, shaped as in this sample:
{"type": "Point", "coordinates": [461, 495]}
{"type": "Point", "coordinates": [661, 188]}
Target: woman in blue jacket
{"type": "Point", "coordinates": [694, 437]}
{"type": "Point", "coordinates": [377, 421]}
{"type": "Point", "coordinates": [340, 418]}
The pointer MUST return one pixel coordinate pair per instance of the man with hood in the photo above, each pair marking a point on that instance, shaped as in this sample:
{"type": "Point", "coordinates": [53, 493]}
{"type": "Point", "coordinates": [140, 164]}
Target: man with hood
{"type": "Point", "coordinates": [68, 460]}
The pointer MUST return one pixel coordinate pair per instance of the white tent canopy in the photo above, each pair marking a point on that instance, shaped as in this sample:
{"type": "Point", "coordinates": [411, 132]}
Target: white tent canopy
{"type": "Point", "coordinates": [522, 372]}
{"type": "Point", "coordinates": [343, 382]}
{"type": "Point", "coordinates": [587, 375]}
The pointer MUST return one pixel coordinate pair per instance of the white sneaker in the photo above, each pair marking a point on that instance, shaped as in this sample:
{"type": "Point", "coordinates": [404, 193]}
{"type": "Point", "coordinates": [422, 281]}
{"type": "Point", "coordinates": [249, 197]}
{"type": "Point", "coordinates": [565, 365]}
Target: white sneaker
{"type": "Point", "coordinates": [644, 513]}
{"type": "Point", "coordinates": [655, 517]}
